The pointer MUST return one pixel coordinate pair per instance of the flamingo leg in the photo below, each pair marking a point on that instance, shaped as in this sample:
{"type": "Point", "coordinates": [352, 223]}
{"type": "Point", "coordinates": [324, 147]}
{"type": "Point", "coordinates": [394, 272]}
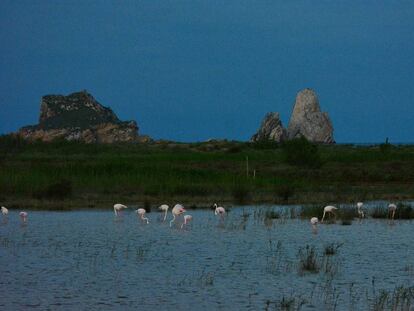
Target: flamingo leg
{"type": "Point", "coordinates": [323, 217]}
{"type": "Point", "coordinates": [172, 220]}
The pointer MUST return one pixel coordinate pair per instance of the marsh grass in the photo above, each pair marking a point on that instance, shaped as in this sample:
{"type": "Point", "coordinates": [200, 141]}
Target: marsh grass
{"type": "Point", "coordinates": [202, 279]}
{"type": "Point", "coordinates": [309, 211]}
{"type": "Point", "coordinates": [176, 171]}
{"type": "Point", "coordinates": [308, 260]}
{"type": "Point", "coordinates": [404, 211]}
{"type": "Point", "coordinates": [346, 215]}
{"type": "Point", "coordinates": [379, 212]}
{"type": "Point", "coordinates": [332, 248]}
{"type": "Point", "coordinates": [400, 299]}
{"type": "Point", "coordinates": [272, 215]}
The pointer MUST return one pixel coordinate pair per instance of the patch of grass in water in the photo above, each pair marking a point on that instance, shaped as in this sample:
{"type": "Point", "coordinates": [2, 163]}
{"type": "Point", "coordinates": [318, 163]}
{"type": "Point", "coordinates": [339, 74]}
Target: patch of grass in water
{"type": "Point", "coordinates": [308, 260]}
{"type": "Point", "coordinates": [332, 248]}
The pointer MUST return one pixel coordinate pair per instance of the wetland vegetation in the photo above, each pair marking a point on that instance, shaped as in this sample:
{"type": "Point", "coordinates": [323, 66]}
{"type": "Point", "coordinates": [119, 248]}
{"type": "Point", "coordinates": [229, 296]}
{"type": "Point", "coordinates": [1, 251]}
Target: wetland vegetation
{"type": "Point", "coordinates": [64, 175]}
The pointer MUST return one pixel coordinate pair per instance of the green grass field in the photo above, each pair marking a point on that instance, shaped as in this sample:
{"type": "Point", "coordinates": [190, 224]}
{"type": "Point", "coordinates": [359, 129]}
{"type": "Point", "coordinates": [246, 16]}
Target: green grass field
{"type": "Point", "coordinates": [73, 175]}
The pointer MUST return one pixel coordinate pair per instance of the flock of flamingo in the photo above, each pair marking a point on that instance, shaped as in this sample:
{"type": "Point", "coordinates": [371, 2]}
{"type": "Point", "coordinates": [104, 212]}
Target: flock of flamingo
{"type": "Point", "coordinates": [330, 209]}
{"type": "Point", "coordinates": [178, 210]}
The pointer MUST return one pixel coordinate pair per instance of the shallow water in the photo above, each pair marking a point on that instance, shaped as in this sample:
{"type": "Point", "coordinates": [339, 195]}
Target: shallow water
{"type": "Point", "coordinates": [91, 260]}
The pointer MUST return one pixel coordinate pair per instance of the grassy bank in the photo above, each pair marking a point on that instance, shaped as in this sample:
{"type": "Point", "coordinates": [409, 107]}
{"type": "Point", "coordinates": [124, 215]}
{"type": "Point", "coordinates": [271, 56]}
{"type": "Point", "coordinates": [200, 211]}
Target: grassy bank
{"type": "Point", "coordinates": [66, 175]}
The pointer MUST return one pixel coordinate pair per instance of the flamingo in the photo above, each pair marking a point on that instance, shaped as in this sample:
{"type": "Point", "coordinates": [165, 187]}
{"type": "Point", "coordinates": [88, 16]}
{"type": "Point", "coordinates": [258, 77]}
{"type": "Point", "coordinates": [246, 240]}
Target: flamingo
{"type": "Point", "coordinates": [219, 210]}
{"type": "Point", "coordinates": [361, 212]}
{"type": "Point", "coordinates": [164, 208]}
{"type": "Point", "coordinates": [118, 208]}
{"type": "Point", "coordinates": [4, 211]}
{"type": "Point", "coordinates": [329, 209]}
{"type": "Point", "coordinates": [187, 219]}
{"type": "Point", "coordinates": [391, 210]}
{"type": "Point", "coordinates": [177, 210]}
{"type": "Point", "coordinates": [314, 221]}
{"type": "Point", "coordinates": [141, 212]}
{"type": "Point", "coordinates": [23, 216]}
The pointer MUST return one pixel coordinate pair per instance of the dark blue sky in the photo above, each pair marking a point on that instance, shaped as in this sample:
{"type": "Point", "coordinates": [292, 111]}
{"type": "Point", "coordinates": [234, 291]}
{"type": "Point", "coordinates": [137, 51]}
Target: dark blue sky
{"type": "Point", "coordinates": [193, 70]}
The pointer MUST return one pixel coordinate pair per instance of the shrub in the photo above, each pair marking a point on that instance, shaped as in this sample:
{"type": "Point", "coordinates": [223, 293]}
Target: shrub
{"type": "Point", "coordinates": [58, 191]}
{"type": "Point", "coordinates": [385, 147]}
{"type": "Point", "coordinates": [241, 193]}
{"type": "Point", "coordinates": [301, 152]}
{"type": "Point", "coordinates": [285, 192]}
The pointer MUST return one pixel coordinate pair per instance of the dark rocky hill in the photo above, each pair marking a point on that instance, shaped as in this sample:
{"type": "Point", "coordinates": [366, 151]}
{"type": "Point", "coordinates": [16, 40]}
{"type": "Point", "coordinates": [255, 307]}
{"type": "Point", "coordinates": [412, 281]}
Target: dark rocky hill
{"type": "Point", "coordinates": [79, 117]}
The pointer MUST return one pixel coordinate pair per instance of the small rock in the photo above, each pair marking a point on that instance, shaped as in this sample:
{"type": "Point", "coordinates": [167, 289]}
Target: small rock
{"type": "Point", "coordinates": [270, 129]}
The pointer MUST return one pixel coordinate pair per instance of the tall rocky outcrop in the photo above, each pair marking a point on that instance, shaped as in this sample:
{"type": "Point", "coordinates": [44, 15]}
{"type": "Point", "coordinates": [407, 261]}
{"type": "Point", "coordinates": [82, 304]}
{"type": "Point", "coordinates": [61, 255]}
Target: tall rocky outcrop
{"type": "Point", "coordinates": [270, 129]}
{"type": "Point", "coordinates": [79, 117]}
{"type": "Point", "coordinates": [306, 120]}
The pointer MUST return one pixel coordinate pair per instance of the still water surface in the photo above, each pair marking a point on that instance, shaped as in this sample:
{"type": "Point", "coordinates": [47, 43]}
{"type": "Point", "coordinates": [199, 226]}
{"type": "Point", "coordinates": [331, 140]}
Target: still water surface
{"type": "Point", "coordinates": [90, 260]}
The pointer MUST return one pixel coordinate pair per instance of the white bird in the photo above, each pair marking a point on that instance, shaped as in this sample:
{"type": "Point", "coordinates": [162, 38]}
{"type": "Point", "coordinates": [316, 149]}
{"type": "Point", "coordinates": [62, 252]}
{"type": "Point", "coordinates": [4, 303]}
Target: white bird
{"type": "Point", "coordinates": [118, 208]}
{"type": "Point", "coordinates": [314, 221]}
{"type": "Point", "coordinates": [329, 209]}
{"type": "Point", "coordinates": [141, 212]}
{"type": "Point", "coordinates": [391, 210]}
{"type": "Point", "coordinates": [4, 211]}
{"type": "Point", "coordinates": [177, 210]}
{"type": "Point", "coordinates": [23, 216]}
{"type": "Point", "coordinates": [164, 208]}
{"type": "Point", "coordinates": [361, 212]}
{"type": "Point", "coordinates": [219, 210]}
{"type": "Point", "coordinates": [187, 219]}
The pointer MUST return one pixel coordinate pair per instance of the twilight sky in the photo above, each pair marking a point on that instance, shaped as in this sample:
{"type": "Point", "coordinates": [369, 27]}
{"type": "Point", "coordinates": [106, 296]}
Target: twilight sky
{"type": "Point", "coordinates": [194, 70]}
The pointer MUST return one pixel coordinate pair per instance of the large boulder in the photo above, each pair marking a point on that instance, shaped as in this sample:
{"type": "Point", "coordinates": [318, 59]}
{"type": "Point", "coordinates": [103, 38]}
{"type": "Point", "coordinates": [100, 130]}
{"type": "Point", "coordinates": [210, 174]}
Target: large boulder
{"type": "Point", "coordinates": [308, 121]}
{"type": "Point", "coordinates": [79, 117]}
{"type": "Point", "coordinates": [270, 129]}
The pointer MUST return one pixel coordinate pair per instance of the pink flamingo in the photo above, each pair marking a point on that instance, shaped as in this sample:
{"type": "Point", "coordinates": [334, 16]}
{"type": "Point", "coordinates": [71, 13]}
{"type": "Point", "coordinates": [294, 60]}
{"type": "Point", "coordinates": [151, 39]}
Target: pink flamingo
{"type": "Point", "coordinates": [329, 209]}
{"type": "Point", "coordinates": [187, 219]}
{"type": "Point", "coordinates": [23, 216]}
{"type": "Point", "coordinates": [118, 208]}
{"type": "Point", "coordinates": [141, 212]}
{"type": "Point", "coordinates": [314, 222]}
{"type": "Point", "coordinates": [361, 212]}
{"type": "Point", "coordinates": [177, 210]}
{"type": "Point", "coordinates": [219, 210]}
{"type": "Point", "coordinates": [391, 210]}
{"type": "Point", "coordinates": [4, 211]}
{"type": "Point", "coordinates": [164, 208]}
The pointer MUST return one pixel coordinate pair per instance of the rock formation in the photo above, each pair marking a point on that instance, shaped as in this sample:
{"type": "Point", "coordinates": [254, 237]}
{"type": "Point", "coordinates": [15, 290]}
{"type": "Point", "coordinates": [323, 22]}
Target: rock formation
{"type": "Point", "coordinates": [270, 129]}
{"type": "Point", "coordinates": [79, 117]}
{"type": "Point", "coordinates": [308, 121]}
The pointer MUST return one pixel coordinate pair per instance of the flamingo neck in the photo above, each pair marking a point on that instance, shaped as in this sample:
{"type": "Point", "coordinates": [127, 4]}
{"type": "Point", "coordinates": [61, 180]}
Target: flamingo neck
{"type": "Point", "coordinates": [172, 220]}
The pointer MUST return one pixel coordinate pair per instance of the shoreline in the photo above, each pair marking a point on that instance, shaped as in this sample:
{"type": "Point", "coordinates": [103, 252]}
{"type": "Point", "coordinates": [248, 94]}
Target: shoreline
{"type": "Point", "coordinates": [189, 203]}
